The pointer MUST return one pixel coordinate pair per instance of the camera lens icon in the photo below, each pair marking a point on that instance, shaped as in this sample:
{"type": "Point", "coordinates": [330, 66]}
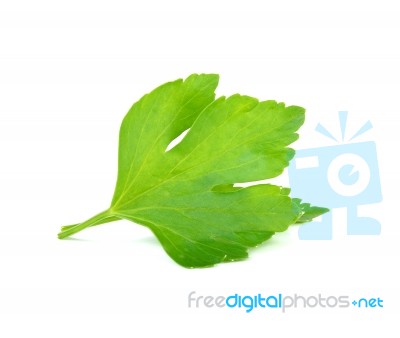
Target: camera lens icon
{"type": "Point", "coordinates": [349, 174]}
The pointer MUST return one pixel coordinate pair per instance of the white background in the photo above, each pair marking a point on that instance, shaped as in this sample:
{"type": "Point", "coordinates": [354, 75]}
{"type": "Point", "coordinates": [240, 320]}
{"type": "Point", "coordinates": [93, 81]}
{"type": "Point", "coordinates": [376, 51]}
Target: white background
{"type": "Point", "coordinates": [68, 75]}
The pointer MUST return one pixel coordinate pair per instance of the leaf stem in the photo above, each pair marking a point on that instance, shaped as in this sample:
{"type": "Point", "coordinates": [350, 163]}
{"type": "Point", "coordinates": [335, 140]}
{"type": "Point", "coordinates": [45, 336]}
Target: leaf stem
{"type": "Point", "coordinates": [97, 219]}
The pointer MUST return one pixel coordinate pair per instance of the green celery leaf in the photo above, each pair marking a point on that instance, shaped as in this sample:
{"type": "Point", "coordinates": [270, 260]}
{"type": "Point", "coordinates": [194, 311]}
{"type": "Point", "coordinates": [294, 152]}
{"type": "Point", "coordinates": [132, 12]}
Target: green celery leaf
{"type": "Point", "coordinates": [186, 195]}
